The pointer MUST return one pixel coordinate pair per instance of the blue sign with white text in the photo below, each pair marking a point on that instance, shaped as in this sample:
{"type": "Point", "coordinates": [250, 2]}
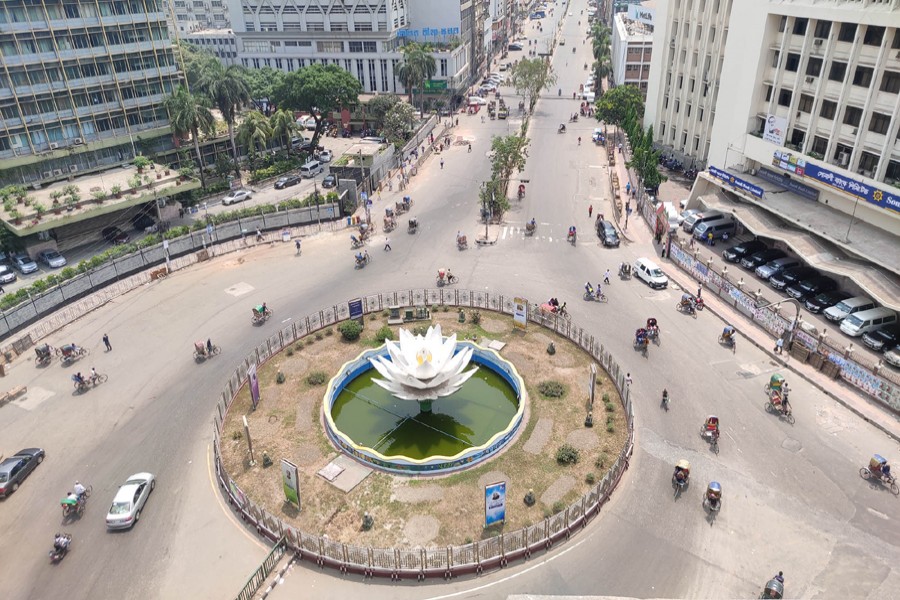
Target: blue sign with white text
{"type": "Point", "coordinates": [494, 503]}
{"type": "Point", "coordinates": [737, 182]}
{"type": "Point", "coordinates": [783, 180]}
{"type": "Point", "coordinates": [428, 32]}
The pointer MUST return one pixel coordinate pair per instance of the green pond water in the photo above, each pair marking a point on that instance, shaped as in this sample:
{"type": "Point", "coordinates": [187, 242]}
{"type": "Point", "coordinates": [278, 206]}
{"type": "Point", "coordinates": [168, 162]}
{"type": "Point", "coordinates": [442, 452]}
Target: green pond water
{"type": "Point", "coordinates": [373, 417]}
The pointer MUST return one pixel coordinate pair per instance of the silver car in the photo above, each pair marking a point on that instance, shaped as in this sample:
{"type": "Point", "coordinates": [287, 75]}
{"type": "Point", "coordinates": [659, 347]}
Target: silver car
{"type": "Point", "coordinates": [7, 275]}
{"type": "Point", "coordinates": [24, 263]}
{"type": "Point", "coordinates": [235, 196]}
{"type": "Point", "coordinates": [52, 258]}
{"type": "Point", "coordinates": [129, 501]}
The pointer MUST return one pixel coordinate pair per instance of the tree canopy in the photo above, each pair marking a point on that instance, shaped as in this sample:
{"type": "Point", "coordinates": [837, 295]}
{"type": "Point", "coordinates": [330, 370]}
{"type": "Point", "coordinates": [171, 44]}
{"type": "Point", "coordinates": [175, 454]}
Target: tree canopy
{"type": "Point", "coordinates": [262, 81]}
{"type": "Point", "coordinates": [417, 67]}
{"type": "Point", "coordinates": [617, 102]}
{"type": "Point", "coordinates": [530, 77]}
{"type": "Point", "coordinates": [380, 105]}
{"type": "Point", "coordinates": [399, 122]}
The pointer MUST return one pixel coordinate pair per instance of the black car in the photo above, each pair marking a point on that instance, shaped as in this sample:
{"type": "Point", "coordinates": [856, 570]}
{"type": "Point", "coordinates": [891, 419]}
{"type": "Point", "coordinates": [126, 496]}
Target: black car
{"type": "Point", "coordinates": [825, 300]}
{"type": "Point", "coordinates": [329, 181]}
{"type": "Point", "coordinates": [758, 259]}
{"type": "Point", "coordinates": [287, 181]}
{"type": "Point", "coordinates": [882, 339]}
{"type": "Point", "coordinates": [607, 234]}
{"type": "Point", "coordinates": [16, 468]}
{"type": "Point", "coordinates": [514, 46]}
{"type": "Point", "coordinates": [742, 250]}
{"type": "Point", "coordinates": [114, 235]}
{"type": "Point", "coordinates": [792, 276]}
{"type": "Point", "coordinates": [142, 221]}
{"type": "Point", "coordinates": [810, 287]}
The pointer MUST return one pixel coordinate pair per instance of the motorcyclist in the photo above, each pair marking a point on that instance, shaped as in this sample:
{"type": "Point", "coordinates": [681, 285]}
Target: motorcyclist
{"type": "Point", "coordinates": [533, 223]}
{"type": "Point", "coordinates": [562, 128]}
{"type": "Point", "coordinates": [665, 397]}
{"type": "Point", "coordinates": [579, 140]}
{"type": "Point", "coordinates": [60, 542]}
{"type": "Point", "coordinates": [572, 231]}
{"type": "Point", "coordinates": [359, 257]}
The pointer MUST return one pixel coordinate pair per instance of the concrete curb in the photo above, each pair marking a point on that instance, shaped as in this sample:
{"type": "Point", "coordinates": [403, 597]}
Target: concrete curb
{"type": "Point", "coordinates": [840, 400]}
{"type": "Point", "coordinates": [278, 577]}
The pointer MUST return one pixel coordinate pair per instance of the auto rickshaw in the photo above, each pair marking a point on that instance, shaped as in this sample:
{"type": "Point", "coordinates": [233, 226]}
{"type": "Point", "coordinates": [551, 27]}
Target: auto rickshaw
{"type": "Point", "coordinates": [710, 431]}
{"type": "Point", "coordinates": [880, 470]}
{"type": "Point", "coordinates": [462, 242]}
{"type": "Point", "coordinates": [43, 354]}
{"type": "Point", "coordinates": [261, 313]}
{"type": "Point", "coordinates": [712, 499]}
{"type": "Point", "coordinates": [642, 340]}
{"type": "Point", "coordinates": [682, 474]}
{"type": "Point", "coordinates": [773, 589]}
{"type": "Point", "coordinates": [389, 222]}
{"type": "Point", "coordinates": [413, 225]}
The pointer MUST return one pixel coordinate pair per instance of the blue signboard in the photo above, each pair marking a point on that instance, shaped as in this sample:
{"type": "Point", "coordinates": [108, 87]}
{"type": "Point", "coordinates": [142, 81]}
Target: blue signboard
{"type": "Point", "coordinates": [737, 182]}
{"type": "Point", "coordinates": [356, 308]}
{"type": "Point", "coordinates": [801, 167]}
{"type": "Point", "coordinates": [783, 180]}
{"type": "Point", "coordinates": [494, 503]}
{"type": "Point", "coordinates": [428, 32]}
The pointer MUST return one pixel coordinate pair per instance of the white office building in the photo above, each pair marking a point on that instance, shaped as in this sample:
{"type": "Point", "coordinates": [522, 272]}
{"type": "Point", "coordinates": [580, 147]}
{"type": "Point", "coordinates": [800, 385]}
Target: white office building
{"type": "Point", "coordinates": [221, 43]}
{"type": "Point", "coordinates": [792, 91]}
{"type": "Point", "coordinates": [632, 48]}
{"type": "Point", "coordinates": [197, 15]}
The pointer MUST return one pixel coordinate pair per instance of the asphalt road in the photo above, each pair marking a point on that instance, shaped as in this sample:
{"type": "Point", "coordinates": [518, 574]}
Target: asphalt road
{"type": "Point", "coordinates": [793, 500]}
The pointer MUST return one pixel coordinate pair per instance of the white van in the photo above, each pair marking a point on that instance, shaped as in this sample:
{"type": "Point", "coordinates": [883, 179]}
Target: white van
{"type": "Point", "coordinates": [311, 169]}
{"type": "Point", "coordinates": [845, 308]}
{"type": "Point", "coordinates": [720, 228]}
{"type": "Point", "coordinates": [650, 273]}
{"type": "Point", "coordinates": [868, 320]}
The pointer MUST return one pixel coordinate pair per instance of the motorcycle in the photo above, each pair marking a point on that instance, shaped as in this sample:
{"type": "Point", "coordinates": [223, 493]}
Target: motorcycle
{"type": "Point", "coordinates": [60, 547]}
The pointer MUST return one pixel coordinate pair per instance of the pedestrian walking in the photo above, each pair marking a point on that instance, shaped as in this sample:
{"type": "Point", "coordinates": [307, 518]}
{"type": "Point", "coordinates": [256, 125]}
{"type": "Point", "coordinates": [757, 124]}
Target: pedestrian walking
{"type": "Point", "coordinates": [606, 277]}
{"type": "Point", "coordinates": [442, 168]}
{"type": "Point", "coordinates": [387, 244]}
{"type": "Point", "coordinates": [259, 235]}
{"type": "Point", "coordinates": [628, 380]}
{"type": "Point", "coordinates": [297, 245]}
{"type": "Point", "coordinates": [590, 210]}
{"type": "Point", "coordinates": [699, 290]}
{"type": "Point", "coordinates": [106, 343]}
{"type": "Point", "coordinates": [779, 344]}
{"type": "Point", "coordinates": [470, 148]}
{"type": "Point", "coordinates": [457, 121]}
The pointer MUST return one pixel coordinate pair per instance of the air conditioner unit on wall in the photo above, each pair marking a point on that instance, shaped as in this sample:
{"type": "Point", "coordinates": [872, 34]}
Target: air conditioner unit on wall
{"type": "Point", "coordinates": [818, 42]}
{"type": "Point", "coordinates": [855, 131]}
{"type": "Point", "coordinates": [57, 172]}
{"type": "Point", "coordinates": [73, 168]}
{"type": "Point", "coordinates": [48, 174]}
{"type": "Point", "coordinates": [54, 145]}
{"type": "Point", "coordinates": [809, 80]}
{"type": "Point", "coordinates": [843, 159]}
{"type": "Point", "coordinates": [77, 141]}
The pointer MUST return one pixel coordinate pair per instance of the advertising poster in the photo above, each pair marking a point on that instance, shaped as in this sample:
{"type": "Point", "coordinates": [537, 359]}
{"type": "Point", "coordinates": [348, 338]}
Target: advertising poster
{"type": "Point", "coordinates": [290, 482]}
{"type": "Point", "coordinates": [355, 307]}
{"type": "Point", "coordinates": [254, 386]}
{"type": "Point", "coordinates": [520, 313]}
{"type": "Point", "coordinates": [494, 503]}
{"type": "Point", "coordinates": [775, 129]}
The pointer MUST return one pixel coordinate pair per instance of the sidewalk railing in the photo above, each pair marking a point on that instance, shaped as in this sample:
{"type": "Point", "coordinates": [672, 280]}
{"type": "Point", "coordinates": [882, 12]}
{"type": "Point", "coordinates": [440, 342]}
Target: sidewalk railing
{"type": "Point", "coordinates": [409, 563]}
{"type": "Point", "coordinates": [820, 352]}
{"type": "Point", "coordinates": [259, 576]}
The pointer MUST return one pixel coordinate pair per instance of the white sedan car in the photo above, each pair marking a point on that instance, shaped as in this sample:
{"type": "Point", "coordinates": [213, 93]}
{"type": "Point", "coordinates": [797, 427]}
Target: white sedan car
{"type": "Point", "coordinates": [235, 196]}
{"type": "Point", "coordinates": [129, 501]}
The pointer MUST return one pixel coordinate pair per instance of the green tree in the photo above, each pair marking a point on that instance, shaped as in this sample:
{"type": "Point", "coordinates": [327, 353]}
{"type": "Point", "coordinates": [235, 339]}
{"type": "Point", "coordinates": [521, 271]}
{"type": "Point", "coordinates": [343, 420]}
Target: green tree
{"type": "Point", "coordinates": [530, 77]}
{"type": "Point", "coordinates": [261, 82]}
{"type": "Point", "coordinates": [189, 113]}
{"type": "Point", "coordinates": [600, 46]}
{"type": "Point", "coordinates": [398, 123]}
{"type": "Point", "coordinates": [284, 126]}
{"type": "Point", "coordinates": [380, 105]}
{"type": "Point", "coordinates": [254, 132]}
{"type": "Point", "coordinates": [193, 60]}
{"type": "Point", "coordinates": [319, 90]}
{"type": "Point", "coordinates": [417, 67]}
{"type": "Point", "coordinates": [613, 107]}
{"type": "Point", "coordinates": [228, 90]}
{"type": "Point", "coordinates": [509, 154]}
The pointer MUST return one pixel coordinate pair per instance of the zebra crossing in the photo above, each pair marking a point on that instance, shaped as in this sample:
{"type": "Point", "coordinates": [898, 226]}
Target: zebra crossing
{"type": "Point", "coordinates": [546, 233]}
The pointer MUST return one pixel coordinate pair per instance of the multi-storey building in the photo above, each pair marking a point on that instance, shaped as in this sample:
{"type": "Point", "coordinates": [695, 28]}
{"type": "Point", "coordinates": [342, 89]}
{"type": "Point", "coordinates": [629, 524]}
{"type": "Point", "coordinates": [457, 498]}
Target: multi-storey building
{"type": "Point", "coordinates": [81, 85]}
{"type": "Point", "coordinates": [632, 50]}
{"type": "Point", "coordinates": [197, 15]}
{"type": "Point", "coordinates": [221, 43]}
{"type": "Point", "coordinates": [363, 38]}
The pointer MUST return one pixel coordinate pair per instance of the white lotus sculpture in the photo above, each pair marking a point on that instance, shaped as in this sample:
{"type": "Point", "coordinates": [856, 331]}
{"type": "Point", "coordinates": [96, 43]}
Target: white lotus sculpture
{"type": "Point", "coordinates": [423, 368]}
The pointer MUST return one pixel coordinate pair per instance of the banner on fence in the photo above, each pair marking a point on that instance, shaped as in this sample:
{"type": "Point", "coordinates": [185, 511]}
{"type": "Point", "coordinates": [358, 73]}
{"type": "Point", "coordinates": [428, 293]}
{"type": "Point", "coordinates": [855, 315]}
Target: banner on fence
{"type": "Point", "coordinates": [494, 503]}
{"type": "Point", "coordinates": [291, 482]}
{"type": "Point", "coordinates": [254, 385]}
{"type": "Point", "coordinates": [520, 313]}
{"type": "Point", "coordinates": [237, 493]}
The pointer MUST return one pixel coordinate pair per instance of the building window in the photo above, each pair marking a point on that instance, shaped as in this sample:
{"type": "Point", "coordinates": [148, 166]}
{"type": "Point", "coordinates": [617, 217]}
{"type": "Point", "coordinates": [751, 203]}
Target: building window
{"type": "Point", "coordinates": [339, 26]}
{"type": "Point", "coordinates": [823, 28]}
{"type": "Point", "coordinates": [776, 58]}
{"type": "Point", "coordinates": [838, 71]}
{"type": "Point", "coordinates": [372, 79]}
{"type": "Point", "coordinates": [890, 81]}
{"type": "Point", "coordinates": [329, 46]}
{"type": "Point", "coordinates": [443, 64]}
{"type": "Point", "coordinates": [370, 47]}
{"type": "Point", "coordinates": [700, 115]}
{"type": "Point", "coordinates": [852, 116]}
{"type": "Point", "coordinates": [384, 75]}
{"type": "Point", "coordinates": [362, 26]}
{"type": "Point", "coordinates": [893, 171]}
{"type": "Point", "coordinates": [873, 36]}
{"type": "Point", "coordinates": [769, 93]}
{"type": "Point", "coordinates": [784, 97]}
{"type": "Point", "coordinates": [896, 43]}
{"type": "Point", "coordinates": [800, 26]}
{"type": "Point", "coordinates": [814, 67]}
{"type": "Point", "coordinates": [805, 104]}
{"type": "Point", "coordinates": [797, 137]}
{"type": "Point", "coordinates": [863, 76]}
{"type": "Point", "coordinates": [828, 110]}
{"type": "Point", "coordinates": [879, 123]}
{"type": "Point", "coordinates": [847, 32]}
{"type": "Point", "coordinates": [792, 63]}
{"type": "Point", "coordinates": [820, 145]}
{"type": "Point", "coordinates": [868, 163]}
{"type": "Point", "coordinates": [782, 24]}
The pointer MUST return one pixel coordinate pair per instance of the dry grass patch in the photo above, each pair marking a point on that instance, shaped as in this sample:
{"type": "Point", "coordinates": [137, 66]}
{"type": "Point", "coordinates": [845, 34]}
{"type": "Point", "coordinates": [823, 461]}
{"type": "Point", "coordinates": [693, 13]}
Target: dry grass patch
{"type": "Point", "coordinates": [410, 511]}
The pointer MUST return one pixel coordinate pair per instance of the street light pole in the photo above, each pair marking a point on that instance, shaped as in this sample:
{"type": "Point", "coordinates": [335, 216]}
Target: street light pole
{"type": "Point", "coordinates": [852, 217]}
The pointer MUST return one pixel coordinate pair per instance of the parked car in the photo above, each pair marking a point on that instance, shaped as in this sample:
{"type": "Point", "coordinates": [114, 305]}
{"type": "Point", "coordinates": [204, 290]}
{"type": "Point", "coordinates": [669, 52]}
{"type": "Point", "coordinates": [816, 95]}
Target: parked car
{"type": "Point", "coordinates": [326, 156]}
{"type": "Point", "coordinates": [608, 234]}
{"type": "Point", "coordinates": [129, 501]}
{"type": "Point", "coordinates": [739, 251]}
{"type": "Point", "coordinates": [810, 287]}
{"type": "Point", "coordinates": [7, 275]}
{"type": "Point", "coordinates": [882, 339]}
{"type": "Point", "coordinates": [892, 357]}
{"type": "Point", "coordinates": [298, 141]}
{"type": "Point", "coordinates": [24, 263]}
{"type": "Point", "coordinates": [685, 213]}
{"type": "Point", "coordinates": [52, 258]}
{"type": "Point", "coordinates": [791, 276]}
{"type": "Point", "coordinates": [329, 181]}
{"type": "Point", "coordinates": [17, 467]}
{"type": "Point", "coordinates": [235, 196]}
{"type": "Point", "coordinates": [514, 47]}
{"type": "Point", "coordinates": [287, 181]}
{"type": "Point", "coordinates": [114, 235]}
{"type": "Point", "coordinates": [762, 257]}
{"type": "Point", "coordinates": [775, 267]}
{"type": "Point", "coordinates": [826, 300]}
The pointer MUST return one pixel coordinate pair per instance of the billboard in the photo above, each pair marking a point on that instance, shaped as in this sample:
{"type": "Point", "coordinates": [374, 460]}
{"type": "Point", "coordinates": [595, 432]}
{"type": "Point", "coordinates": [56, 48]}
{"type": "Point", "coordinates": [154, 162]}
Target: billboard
{"type": "Point", "coordinates": [775, 129]}
{"type": "Point", "coordinates": [520, 313]}
{"type": "Point", "coordinates": [494, 503]}
{"type": "Point", "coordinates": [641, 14]}
{"type": "Point", "coordinates": [254, 385]}
{"type": "Point", "coordinates": [290, 482]}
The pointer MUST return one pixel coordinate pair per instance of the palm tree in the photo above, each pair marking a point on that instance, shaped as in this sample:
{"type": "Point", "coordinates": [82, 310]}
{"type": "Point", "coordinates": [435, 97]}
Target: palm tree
{"type": "Point", "coordinates": [283, 127]}
{"type": "Point", "coordinates": [190, 114]}
{"type": "Point", "coordinates": [227, 88]}
{"type": "Point", "coordinates": [418, 66]}
{"type": "Point", "coordinates": [254, 132]}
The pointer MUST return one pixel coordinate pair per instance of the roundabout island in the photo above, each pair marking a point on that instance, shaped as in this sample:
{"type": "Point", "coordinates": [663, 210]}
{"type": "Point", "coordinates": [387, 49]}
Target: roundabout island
{"type": "Point", "coordinates": [397, 444]}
